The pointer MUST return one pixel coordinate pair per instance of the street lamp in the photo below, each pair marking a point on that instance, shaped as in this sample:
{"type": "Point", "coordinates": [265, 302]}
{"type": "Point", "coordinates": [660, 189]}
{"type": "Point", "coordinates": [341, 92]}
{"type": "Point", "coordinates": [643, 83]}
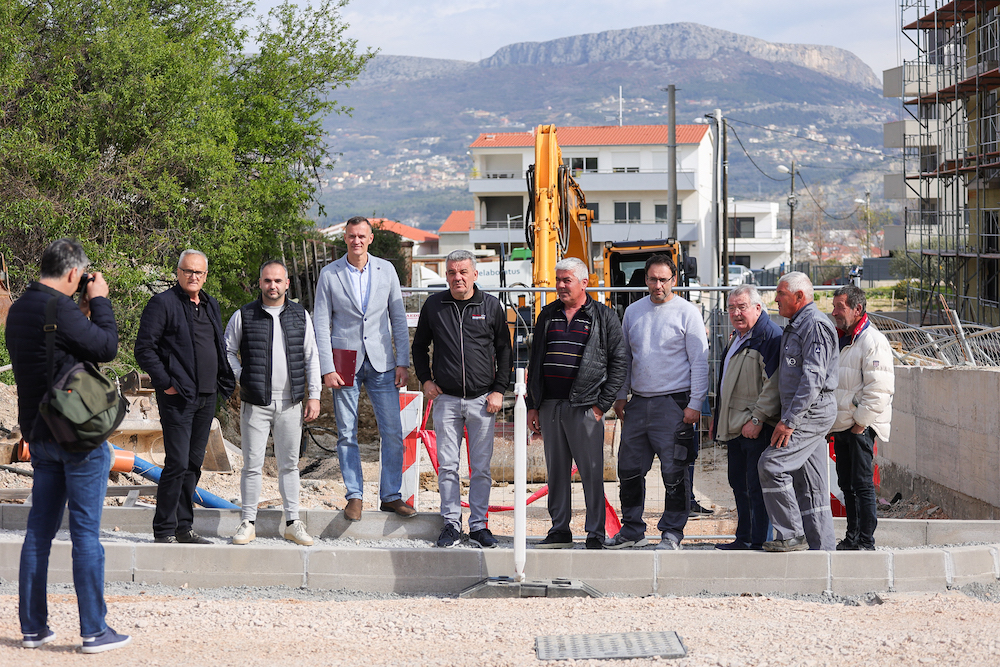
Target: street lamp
{"type": "Point", "coordinates": [868, 220]}
{"type": "Point", "coordinates": [792, 203]}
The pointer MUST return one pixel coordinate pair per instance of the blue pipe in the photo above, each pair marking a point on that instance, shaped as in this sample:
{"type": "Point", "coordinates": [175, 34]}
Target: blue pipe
{"type": "Point", "coordinates": [201, 496]}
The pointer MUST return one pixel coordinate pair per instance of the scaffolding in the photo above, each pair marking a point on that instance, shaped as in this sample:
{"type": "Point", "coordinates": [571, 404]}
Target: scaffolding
{"type": "Point", "coordinates": [950, 182]}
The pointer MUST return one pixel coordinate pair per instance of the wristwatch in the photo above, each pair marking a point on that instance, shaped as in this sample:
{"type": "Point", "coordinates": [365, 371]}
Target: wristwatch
{"type": "Point", "coordinates": [755, 421]}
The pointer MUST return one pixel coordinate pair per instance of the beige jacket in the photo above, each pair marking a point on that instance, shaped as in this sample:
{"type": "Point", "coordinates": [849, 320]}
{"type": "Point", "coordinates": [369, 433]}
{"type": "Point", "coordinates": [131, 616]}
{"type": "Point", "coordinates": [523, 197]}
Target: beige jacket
{"type": "Point", "coordinates": [866, 384]}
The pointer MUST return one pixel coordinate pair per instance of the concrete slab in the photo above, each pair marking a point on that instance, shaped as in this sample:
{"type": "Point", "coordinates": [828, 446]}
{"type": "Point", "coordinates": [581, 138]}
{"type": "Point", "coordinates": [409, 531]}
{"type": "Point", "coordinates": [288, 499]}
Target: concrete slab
{"type": "Point", "coordinates": [623, 572]}
{"type": "Point", "coordinates": [919, 570]}
{"type": "Point", "coordinates": [117, 561]}
{"type": "Point", "coordinates": [901, 533]}
{"type": "Point", "coordinates": [691, 572]}
{"type": "Point", "coordinates": [213, 565]}
{"type": "Point", "coordinates": [373, 526]}
{"type": "Point", "coordinates": [859, 572]}
{"type": "Point", "coordinates": [394, 570]}
{"type": "Point", "coordinates": [958, 532]}
{"type": "Point", "coordinates": [128, 519]}
{"type": "Point", "coordinates": [972, 564]}
{"type": "Point", "coordinates": [10, 558]}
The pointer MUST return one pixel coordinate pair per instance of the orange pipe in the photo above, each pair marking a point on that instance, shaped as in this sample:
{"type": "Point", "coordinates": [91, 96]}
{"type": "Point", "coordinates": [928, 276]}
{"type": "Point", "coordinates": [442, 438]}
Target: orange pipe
{"type": "Point", "coordinates": [124, 461]}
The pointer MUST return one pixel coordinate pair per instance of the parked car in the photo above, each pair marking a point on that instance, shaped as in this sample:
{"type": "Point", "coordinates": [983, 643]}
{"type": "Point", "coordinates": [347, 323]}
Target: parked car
{"type": "Point", "coordinates": [740, 275]}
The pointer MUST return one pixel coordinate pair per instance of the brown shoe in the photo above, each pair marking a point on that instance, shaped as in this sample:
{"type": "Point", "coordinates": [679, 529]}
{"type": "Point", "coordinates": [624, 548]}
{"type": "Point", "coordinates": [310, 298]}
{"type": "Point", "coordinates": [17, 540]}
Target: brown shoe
{"type": "Point", "coordinates": [400, 508]}
{"type": "Point", "coordinates": [353, 509]}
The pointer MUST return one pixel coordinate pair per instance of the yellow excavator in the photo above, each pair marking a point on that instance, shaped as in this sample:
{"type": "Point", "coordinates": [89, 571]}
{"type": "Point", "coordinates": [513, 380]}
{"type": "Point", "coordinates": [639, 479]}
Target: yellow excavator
{"type": "Point", "coordinates": [559, 227]}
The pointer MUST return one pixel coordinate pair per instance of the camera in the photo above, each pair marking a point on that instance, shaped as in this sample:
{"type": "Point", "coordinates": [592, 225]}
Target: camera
{"type": "Point", "coordinates": [84, 279]}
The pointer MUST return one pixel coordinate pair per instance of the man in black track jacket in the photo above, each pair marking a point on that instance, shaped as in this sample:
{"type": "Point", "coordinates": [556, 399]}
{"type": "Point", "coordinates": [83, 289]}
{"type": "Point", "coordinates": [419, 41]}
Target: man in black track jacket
{"type": "Point", "coordinates": [467, 381]}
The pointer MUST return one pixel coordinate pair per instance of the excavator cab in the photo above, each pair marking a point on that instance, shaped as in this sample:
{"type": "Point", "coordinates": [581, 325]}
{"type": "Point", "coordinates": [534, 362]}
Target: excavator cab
{"type": "Point", "coordinates": [625, 266]}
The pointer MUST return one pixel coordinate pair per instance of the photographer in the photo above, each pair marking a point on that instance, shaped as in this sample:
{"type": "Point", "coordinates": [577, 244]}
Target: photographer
{"type": "Point", "coordinates": [79, 478]}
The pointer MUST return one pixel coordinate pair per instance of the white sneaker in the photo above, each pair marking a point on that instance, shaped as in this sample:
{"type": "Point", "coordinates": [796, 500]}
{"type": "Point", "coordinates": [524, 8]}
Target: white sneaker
{"type": "Point", "coordinates": [245, 534]}
{"type": "Point", "coordinates": [296, 532]}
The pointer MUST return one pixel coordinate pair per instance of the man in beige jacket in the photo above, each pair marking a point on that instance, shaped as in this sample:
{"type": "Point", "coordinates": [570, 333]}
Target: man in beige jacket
{"type": "Point", "coordinates": [864, 410]}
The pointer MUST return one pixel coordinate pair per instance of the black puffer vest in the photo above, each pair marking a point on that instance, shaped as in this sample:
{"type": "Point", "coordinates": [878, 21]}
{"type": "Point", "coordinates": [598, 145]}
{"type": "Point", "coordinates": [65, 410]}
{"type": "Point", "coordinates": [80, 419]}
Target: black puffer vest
{"type": "Point", "coordinates": [255, 351]}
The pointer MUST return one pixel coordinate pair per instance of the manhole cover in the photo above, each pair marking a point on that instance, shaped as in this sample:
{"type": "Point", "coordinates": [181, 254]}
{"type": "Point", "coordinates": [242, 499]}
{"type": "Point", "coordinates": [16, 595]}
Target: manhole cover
{"type": "Point", "coordinates": [610, 645]}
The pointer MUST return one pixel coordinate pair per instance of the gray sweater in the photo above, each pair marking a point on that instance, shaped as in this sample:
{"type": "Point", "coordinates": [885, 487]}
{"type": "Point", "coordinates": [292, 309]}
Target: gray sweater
{"type": "Point", "coordinates": [667, 350]}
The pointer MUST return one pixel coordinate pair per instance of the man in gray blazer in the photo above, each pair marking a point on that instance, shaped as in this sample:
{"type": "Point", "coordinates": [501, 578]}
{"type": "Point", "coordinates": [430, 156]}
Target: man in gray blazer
{"type": "Point", "coordinates": [359, 309]}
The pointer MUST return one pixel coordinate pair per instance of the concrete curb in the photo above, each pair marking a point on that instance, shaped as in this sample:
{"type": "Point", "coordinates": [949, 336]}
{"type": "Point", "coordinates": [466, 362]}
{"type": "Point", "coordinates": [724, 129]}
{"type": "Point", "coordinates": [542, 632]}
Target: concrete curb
{"type": "Point", "coordinates": [418, 570]}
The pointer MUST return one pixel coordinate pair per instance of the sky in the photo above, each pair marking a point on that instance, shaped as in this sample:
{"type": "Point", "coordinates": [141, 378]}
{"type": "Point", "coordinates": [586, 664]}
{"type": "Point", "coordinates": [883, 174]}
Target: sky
{"type": "Point", "coordinates": [475, 29]}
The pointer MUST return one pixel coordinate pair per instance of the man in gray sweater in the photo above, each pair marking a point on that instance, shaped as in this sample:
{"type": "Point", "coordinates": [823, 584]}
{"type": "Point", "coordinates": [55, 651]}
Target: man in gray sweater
{"type": "Point", "coordinates": [667, 374]}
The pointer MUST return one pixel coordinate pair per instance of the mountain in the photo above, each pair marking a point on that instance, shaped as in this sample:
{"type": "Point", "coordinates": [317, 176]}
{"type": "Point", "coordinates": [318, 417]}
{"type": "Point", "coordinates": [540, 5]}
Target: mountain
{"type": "Point", "coordinates": [404, 148]}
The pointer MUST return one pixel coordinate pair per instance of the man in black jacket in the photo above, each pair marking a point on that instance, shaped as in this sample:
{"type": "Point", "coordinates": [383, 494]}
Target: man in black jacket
{"type": "Point", "coordinates": [180, 344]}
{"type": "Point", "coordinates": [577, 367]}
{"type": "Point", "coordinates": [80, 477]}
{"type": "Point", "coordinates": [470, 373]}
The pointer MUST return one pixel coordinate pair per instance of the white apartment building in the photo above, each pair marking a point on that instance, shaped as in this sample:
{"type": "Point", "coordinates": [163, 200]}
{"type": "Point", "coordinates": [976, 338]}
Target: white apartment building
{"type": "Point", "coordinates": [623, 173]}
{"type": "Point", "coordinates": [754, 238]}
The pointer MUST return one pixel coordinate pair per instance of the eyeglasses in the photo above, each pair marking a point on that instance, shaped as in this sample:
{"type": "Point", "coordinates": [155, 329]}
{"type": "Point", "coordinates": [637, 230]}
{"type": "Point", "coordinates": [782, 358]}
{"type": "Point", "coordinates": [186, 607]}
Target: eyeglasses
{"type": "Point", "coordinates": [741, 308]}
{"type": "Point", "coordinates": [657, 281]}
{"type": "Point", "coordinates": [192, 272]}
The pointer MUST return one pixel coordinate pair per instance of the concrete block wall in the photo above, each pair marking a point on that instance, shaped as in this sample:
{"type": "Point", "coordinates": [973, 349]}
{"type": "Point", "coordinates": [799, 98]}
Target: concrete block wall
{"type": "Point", "coordinates": [945, 442]}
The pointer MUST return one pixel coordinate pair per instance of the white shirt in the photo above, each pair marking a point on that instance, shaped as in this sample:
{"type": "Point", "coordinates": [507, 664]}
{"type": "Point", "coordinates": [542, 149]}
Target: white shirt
{"type": "Point", "coordinates": [361, 281]}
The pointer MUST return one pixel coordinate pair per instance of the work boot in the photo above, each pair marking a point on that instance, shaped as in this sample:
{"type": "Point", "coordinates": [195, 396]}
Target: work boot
{"type": "Point", "coordinates": [353, 510]}
{"type": "Point", "coordinates": [798, 543]}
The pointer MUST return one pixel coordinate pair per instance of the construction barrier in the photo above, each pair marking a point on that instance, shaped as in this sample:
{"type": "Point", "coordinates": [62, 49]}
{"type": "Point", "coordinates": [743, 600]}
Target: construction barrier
{"type": "Point", "coordinates": [410, 413]}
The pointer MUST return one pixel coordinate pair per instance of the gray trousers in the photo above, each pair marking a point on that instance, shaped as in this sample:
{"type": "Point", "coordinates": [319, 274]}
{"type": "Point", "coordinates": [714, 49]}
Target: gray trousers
{"type": "Point", "coordinates": [284, 419]}
{"type": "Point", "coordinates": [573, 434]}
{"type": "Point", "coordinates": [452, 416]}
{"type": "Point", "coordinates": [650, 429]}
{"type": "Point", "coordinates": [796, 492]}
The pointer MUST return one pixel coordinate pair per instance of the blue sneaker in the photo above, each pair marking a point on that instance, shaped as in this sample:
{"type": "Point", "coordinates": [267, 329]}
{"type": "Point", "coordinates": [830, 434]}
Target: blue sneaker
{"type": "Point", "coordinates": [38, 638]}
{"type": "Point", "coordinates": [106, 641]}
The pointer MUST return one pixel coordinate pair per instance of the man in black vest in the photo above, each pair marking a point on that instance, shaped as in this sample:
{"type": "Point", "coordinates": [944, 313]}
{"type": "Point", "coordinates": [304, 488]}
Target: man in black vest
{"type": "Point", "coordinates": [179, 344]}
{"type": "Point", "coordinates": [271, 347]}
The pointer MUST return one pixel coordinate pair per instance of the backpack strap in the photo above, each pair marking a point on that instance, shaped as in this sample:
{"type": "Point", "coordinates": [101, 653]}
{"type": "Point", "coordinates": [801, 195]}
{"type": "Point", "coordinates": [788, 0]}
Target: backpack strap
{"type": "Point", "coordinates": [51, 324]}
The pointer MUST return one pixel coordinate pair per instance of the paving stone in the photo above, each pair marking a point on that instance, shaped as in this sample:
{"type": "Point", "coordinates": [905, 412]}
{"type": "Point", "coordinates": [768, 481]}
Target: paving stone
{"type": "Point", "coordinates": [691, 572]}
{"type": "Point", "coordinates": [957, 532]}
{"type": "Point", "coordinates": [902, 533]}
{"type": "Point", "coordinates": [212, 565]}
{"type": "Point", "coordinates": [972, 564]}
{"type": "Point", "coordinates": [374, 525]}
{"type": "Point", "coordinates": [394, 570]}
{"type": "Point", "coordinates": [621, 572]}
{"type": "Point", "coordinates": [859, 572]}
{"type": "Point", "coordinates": [919, 570]}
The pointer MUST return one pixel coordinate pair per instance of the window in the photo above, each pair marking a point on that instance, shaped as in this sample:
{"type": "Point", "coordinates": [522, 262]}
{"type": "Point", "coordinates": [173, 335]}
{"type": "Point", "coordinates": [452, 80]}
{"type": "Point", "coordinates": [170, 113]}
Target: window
{"type": "Point", "coordinates": [581, 165]}
{"type": "Point", "coordinates": [741, 228]}
{"type": "Point", "coordinates": [742, 260]}
{"type": "Point", "coordinates": [625, 163]}
{"type": "Point", "coordinates": [660, 212]}
{"type": "Point", "coordinates": [627, 211]}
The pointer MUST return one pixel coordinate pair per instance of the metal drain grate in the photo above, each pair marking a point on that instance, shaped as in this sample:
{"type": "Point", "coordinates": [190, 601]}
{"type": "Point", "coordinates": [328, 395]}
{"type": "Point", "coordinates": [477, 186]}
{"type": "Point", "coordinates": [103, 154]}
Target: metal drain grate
{"type": "Point", "coordinates": [610, 645]}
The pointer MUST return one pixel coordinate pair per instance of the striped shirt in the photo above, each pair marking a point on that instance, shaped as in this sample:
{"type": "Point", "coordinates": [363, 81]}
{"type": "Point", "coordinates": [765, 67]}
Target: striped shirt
{"type": "Point", "coordinates": [564, 343]}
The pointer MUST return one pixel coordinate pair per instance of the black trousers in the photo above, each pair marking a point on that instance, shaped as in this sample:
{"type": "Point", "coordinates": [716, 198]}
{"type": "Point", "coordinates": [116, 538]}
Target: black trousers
{"type": "Point", "coordinates": [186, 425]}
{"type": "Point", "coordinates": [854, 474]}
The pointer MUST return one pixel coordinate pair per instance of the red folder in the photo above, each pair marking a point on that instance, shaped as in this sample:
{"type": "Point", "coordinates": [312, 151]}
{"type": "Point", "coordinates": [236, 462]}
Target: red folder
{"type": "Point", "coordinates": [345, 362]}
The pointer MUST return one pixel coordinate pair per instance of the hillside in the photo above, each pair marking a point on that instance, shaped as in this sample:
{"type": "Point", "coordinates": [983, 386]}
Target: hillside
{"type": "Point", "coordinates": [404, 150]}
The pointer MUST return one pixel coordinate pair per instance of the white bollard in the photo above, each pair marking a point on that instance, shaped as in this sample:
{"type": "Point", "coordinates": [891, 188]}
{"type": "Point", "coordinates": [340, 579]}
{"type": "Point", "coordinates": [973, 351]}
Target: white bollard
{"type": "Point", "coordinates": [520, 474]}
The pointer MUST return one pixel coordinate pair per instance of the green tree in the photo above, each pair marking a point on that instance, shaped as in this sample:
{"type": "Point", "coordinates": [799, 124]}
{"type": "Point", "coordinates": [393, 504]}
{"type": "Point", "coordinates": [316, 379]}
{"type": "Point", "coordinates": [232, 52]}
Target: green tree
{"type": "Point", "coordinates": [143, 127]}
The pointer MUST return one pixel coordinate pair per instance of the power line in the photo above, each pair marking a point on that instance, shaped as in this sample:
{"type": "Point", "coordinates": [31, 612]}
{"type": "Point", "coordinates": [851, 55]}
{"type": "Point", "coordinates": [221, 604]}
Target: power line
{"type": "Point", "coordinates": [745, 152]}
{"type": "Point", "coordinates": [823, 210]}
{"type": "Point", "coordinates": [815, 141]}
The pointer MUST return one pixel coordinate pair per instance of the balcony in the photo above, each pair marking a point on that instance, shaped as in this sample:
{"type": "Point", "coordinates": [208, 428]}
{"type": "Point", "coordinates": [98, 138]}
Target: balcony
{"type": "Point", "coordinates": [903, 133]}
{"type": "Point", "coordinates": [498, 183]}
{"type": "Point", "coordinates": [644, 230]}
{"type": "Point", "coordinates": [607, 181]}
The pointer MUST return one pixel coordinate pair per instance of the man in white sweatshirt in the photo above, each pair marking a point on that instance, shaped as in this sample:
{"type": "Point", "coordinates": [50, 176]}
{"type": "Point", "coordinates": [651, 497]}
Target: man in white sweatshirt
{"type": "Point", "coordinates": [866, 382]}
{"type": "Point", "coordinates": [667, 375]}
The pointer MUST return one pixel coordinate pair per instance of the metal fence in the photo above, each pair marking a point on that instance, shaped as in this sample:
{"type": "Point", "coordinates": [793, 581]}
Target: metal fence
{"type": "Point", "coordinates": [952, 344]}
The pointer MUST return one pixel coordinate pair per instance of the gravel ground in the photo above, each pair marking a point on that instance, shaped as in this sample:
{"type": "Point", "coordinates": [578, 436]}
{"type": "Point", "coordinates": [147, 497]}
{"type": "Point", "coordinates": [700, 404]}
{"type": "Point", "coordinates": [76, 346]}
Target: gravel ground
{"type": "Point", "coordinates": [249, 626]}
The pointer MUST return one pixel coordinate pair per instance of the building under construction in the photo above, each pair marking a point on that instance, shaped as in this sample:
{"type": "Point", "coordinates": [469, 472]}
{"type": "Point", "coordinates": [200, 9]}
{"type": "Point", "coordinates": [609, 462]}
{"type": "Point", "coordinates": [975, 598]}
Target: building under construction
{"type": "Point", "coordinates": [950, 182]}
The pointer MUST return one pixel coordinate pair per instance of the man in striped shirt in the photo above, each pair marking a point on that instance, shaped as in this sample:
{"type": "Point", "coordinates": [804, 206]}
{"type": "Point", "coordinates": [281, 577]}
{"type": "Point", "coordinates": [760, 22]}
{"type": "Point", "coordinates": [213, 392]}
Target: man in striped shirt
{"type": "Point", "coordinates": [576, 368]}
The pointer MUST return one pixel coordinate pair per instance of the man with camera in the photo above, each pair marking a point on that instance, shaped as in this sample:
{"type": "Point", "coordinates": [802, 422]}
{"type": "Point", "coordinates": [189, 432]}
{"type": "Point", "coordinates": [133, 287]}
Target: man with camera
{"type": "Point", "coordinates": [77, 479]}
{"type": "Point", "coordinates": [667, 374]}
{"type": "Point", "coordinates": [180, 344]}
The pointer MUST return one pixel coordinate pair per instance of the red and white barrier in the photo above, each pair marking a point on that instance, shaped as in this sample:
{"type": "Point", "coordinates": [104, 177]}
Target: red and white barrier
{"type": "Point", "coordinates": [410, 413]}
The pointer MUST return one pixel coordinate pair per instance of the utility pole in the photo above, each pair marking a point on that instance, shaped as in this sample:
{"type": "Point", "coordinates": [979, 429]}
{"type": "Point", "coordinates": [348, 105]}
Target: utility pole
{"type": "Point", "coordinates": [792, 203]}
{"type": "Point", "coordinates": [672, 160]}
{"type": "Point", "coordinates": [715, 120]}
{"type": "Point", "coordinates": [725, 202]}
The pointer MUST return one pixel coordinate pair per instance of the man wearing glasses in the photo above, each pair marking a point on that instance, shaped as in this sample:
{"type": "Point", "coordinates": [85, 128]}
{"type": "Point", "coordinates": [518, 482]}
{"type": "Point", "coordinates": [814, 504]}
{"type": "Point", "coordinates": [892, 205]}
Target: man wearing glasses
{"type": "Point", "coordinates": [180, 344]}
{"type": "Point", "coordinates": [667, 375]}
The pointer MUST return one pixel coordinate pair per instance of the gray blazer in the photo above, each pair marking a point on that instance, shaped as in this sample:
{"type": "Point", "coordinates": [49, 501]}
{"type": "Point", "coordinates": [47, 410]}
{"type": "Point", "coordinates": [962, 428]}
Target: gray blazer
{"type": "Point", "coordinates": [340, 323]}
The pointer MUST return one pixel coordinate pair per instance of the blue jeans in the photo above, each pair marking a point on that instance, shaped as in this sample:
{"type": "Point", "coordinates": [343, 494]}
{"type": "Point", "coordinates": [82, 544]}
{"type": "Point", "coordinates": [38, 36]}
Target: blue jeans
{"type": "Point", "coordinates": [384, 395]}
{"type": "Point", "coordinates": [80, 481]}
{"type": "Point", "coordinates": [752, 526]}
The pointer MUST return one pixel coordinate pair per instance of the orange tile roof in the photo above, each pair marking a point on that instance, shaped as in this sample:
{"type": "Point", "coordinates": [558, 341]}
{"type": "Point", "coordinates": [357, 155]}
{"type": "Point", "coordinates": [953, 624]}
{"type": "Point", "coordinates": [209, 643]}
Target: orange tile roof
{"type": "Point", "coordinates": [458, 221]}
{"type": "Point", "coordinates": [603, 135]}
{"type": "Point", "coordinates": [412, 233]}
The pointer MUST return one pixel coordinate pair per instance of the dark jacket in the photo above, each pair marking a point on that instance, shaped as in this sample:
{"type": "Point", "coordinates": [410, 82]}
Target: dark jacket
{"type": "Point", "coordinates": [77, 339]}
{"type": "Point", "coordinates": [255, 351]}
{"type": "Point", "coordinates": [164, 346]}
{"type": "Point", "coordinates": [602, 368]}
{"type": "Point", "coordinates": [472, 353]}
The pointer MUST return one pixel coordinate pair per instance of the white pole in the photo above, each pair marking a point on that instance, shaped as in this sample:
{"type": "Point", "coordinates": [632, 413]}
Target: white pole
{"type": "Point", "coordinates": [520, 474]}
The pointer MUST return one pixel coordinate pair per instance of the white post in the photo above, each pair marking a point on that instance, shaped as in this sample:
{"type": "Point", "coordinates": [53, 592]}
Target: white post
{"type": "Point", "coordinates": [520, 474]}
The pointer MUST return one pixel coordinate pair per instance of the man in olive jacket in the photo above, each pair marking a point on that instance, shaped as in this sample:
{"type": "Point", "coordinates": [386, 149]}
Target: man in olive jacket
{"type": "Point", "coordinates": [748, 409]}
{"type": "Point", "coordinates": [576, 368]}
